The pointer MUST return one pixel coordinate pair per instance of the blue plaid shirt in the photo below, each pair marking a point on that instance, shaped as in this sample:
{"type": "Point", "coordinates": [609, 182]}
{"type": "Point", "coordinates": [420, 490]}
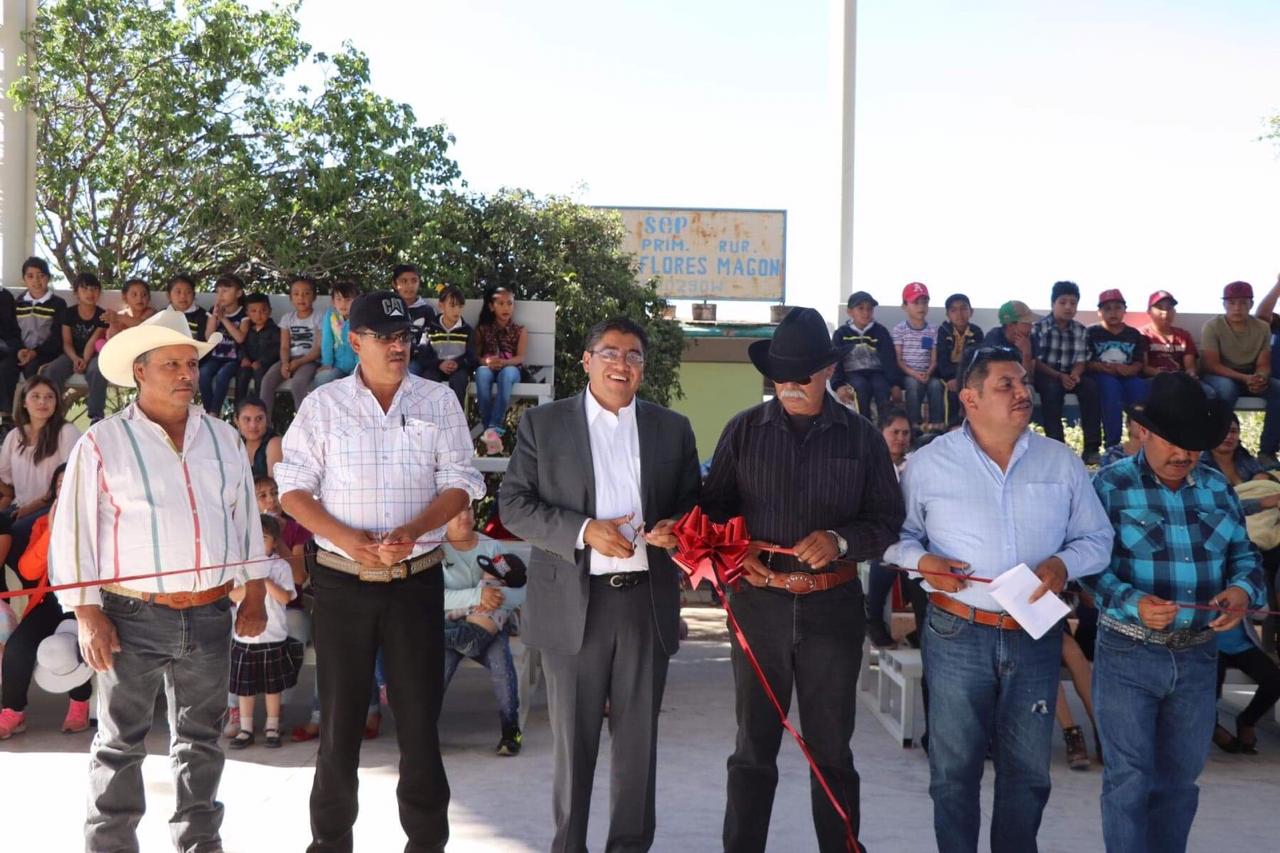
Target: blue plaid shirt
{"type": "Point", "coordinates": [1061, 349]}
{"type": "Point", "coordinates": [1187, 545]}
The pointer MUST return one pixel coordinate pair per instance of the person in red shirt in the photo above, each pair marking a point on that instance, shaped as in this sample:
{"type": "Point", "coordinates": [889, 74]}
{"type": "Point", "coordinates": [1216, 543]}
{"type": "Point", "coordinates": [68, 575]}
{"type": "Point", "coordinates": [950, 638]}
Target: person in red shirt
{"type": "Point", "coordinates": [1170, 349]}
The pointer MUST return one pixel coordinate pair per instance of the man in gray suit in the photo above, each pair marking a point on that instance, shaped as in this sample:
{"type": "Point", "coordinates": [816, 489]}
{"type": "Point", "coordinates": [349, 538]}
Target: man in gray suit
{"type": "Point", "coordinates": [592, 477]}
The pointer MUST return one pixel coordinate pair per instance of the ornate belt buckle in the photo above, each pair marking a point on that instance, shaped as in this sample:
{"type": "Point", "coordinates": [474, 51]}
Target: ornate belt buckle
{"type": "Point", "coordinates": [1179, 640]}
{"type": "Point", "coordinates": [180, 600]}
{"type": "Point", "coordinates": [617, 581]}
{"type": "Point", "coordinates": [804, 583]}
{"type": "Point", "coordinates": [375, 575]}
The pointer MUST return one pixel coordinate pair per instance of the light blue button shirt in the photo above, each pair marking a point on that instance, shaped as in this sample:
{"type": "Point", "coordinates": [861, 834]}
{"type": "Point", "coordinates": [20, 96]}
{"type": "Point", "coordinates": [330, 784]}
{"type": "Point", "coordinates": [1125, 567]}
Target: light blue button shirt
{"type": "Point", "coordinates": [962, 506]}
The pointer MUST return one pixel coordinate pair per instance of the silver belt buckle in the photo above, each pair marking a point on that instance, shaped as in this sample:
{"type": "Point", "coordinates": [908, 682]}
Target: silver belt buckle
{"type": "Point", "coordinates": [1179, 640]}
{"type": "Point", "coordinates": [375, 575]}
{"type": "Point", "coordinates": [617, 581]}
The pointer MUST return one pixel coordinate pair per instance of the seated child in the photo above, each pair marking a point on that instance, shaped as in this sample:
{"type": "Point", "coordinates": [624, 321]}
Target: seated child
{"type": "Point", "coordinates": [482, 586]}
{"type": "Point", "coordinates": [914, 342]}
{"type": "Point", "coordinates": [448, 351]}
{"type": "Point", "coordinates": [1117, 359]}
{"type": "Point", "coordinates": [337, 359]}
{"type": "Point", "coordinates": [261, 349]}
{"type": "Point", "coordinates": [869, 366]}
{"type": "Point", "coordinates": [39, 312]}
{"type": "Point", "coordinates": [268, 663]}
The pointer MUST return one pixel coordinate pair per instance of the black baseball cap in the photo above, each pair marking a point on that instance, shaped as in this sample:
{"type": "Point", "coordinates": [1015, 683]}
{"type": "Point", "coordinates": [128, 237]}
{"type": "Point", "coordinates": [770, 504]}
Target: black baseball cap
{"type": "Point", "coordinates": [860, 297]}
{"type": "Point", "coordinates": [382, 312]}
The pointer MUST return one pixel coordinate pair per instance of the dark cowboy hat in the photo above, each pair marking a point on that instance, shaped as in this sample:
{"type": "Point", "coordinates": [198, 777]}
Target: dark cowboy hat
{"type": "Point", "coordinates": [1179, 411]}
{"type": "Point", "coordinates": [800, 347]}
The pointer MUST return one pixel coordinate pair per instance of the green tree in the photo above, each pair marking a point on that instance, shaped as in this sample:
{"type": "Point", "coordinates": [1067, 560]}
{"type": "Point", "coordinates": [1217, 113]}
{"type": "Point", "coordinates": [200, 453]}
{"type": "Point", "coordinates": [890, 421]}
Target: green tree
{"type": "Point", "coordinates": [167, 141]}
{"type": "Point", "coordinates": [558, 250]}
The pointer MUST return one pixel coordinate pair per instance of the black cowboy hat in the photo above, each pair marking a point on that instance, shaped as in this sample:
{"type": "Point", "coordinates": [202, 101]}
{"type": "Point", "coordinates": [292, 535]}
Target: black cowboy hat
{"type": "Point", "coordinates": [800, 347]}
{"type": "Point", "coordinates": [1179, 411]}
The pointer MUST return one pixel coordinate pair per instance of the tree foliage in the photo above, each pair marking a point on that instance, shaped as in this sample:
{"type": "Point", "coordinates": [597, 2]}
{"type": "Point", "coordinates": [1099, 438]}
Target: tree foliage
{"type": "Point", "coordinates": [558, 250]}
{"type": "Point", "coordinates": [166, 141]}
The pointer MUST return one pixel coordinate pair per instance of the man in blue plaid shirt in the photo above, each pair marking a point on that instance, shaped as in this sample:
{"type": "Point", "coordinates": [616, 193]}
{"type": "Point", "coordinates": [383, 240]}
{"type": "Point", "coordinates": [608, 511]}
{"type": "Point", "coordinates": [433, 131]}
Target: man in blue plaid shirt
{"type": "Point", "coordinates": [1061, 347]}
{"type": "Point", "coordinates": [1180, 540]}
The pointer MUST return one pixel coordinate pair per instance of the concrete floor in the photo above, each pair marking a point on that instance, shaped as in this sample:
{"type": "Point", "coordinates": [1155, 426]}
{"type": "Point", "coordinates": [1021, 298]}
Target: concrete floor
{"type": "Point", "coordinates": [502, 804]}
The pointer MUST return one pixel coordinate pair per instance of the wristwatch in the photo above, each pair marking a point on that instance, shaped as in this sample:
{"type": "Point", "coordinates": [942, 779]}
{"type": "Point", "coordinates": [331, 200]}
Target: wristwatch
{"type": "Point", "coordinates": [842, 547]}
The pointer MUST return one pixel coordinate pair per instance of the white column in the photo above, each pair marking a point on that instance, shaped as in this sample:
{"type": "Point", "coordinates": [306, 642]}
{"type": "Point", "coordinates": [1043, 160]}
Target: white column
{"type": "Point", "coordinates": [847, 17]}
{"type": "Point", "coordinates": [17, 147]}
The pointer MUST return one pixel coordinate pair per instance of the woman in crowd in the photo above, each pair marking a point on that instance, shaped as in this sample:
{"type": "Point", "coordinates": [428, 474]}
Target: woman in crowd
{"type": "Point", "coordinates": [260, 442]}
{"type": "Point", "coordinates": [500, 345]}
{"type": "Point", "coordinates": [41, 618]}
{"type": "Point", "coordinates": [40, 441]}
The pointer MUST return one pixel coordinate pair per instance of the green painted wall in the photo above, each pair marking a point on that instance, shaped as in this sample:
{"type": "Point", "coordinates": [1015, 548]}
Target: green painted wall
{"type": "Point", "coordinates": [713, 393]}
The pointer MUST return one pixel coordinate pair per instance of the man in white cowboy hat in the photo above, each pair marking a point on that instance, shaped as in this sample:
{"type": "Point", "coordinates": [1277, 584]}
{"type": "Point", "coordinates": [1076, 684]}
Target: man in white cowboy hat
{"type": "Point", "coordinates": [160, 487]}
{"type": "Point", "coordinates": [1180, 540]}
{"type": "Point", "coordinates": [810, 475]}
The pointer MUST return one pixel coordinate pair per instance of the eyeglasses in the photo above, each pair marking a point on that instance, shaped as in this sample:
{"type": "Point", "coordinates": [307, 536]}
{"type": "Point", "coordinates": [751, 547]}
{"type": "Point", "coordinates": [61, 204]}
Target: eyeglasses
{"type": "Point", "coordinates": [401, 337]}
{"type": "Point", "coordinates": [617, 356]}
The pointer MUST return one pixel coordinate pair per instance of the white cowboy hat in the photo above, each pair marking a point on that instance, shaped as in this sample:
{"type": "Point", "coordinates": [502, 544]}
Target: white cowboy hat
{"type": "Point", "coordinates": [165, 328]}
{"type": "Point", "coordinates": [59, 667]}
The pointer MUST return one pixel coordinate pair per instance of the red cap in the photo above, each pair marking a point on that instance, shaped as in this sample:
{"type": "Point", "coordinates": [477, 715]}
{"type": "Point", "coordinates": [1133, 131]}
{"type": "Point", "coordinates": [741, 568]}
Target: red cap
{"type": "Point", "coordinates": [1160, 296]}
{"type": "Point", "coordinates": [1237, 290]}
{"type": "Point", "coordinates": [913, 291]}
{"type": "Point", "coordinates": [1111, 295]}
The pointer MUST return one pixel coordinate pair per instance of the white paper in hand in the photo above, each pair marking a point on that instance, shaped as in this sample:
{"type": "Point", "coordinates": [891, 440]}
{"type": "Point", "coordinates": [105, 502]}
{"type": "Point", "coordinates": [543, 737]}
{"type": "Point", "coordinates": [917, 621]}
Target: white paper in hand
{"type": "Point", "coordinates": [1012, 591]}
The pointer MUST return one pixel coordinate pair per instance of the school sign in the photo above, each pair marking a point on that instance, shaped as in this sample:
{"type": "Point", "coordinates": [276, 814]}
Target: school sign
{"type": "Point", "coordinates": [709, 254]}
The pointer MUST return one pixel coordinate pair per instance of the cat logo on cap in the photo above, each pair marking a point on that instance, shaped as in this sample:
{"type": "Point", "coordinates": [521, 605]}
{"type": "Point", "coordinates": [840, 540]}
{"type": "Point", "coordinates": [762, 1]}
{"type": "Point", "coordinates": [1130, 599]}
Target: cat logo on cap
{"type": "Point", "coordinates": [393, 307]}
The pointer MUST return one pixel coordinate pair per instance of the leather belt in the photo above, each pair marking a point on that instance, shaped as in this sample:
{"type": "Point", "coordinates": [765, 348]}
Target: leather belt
{"type": "Point", "coordinates": [990, 618]}
{"type": "Point", "coordinates": [622, 580]}
{"type": "Point", "coordinates": [380, 574]}
{"type": "Point", "coordinates": [803, 583]}
{"type": "Point", "coordinates": [1176, 640]}
{"type": "Point", "coordinates": [173, 600]}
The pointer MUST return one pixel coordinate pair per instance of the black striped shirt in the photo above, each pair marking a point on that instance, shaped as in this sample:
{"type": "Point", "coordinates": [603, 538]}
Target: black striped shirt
{"type": "Point", "coordinates": [837, 477]}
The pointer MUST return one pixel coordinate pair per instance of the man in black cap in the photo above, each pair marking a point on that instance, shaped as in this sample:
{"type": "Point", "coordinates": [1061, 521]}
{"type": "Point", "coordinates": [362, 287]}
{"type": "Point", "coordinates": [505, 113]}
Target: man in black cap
{"type": "Point", "coordinates": [1180, 540]}
{"type": "Point", "coordinates": [809, 475]}
{"type": "Point", "coordinates": [376, 464]}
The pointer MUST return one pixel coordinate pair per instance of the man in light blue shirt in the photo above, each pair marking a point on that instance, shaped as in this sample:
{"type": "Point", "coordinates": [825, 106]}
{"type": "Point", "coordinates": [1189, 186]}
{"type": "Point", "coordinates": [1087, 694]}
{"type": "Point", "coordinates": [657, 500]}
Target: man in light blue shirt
{"type": "Point", "coordinates": [980, 500]}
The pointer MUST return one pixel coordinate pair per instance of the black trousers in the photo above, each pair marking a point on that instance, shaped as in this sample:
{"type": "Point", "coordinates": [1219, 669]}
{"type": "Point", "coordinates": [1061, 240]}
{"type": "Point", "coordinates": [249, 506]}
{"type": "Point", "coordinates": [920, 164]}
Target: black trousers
{"type": "Point", "coordinates": [249, 380]}
{"type": "Point", "coordinates": [1053, 400]}
{"type": "Point", "coordinates": [8, 381]}
{"type": "Point", "coordinates": [352, 619]}
{"type": "Point", "coordinates": [20, 654]}
{"type": "Point", "coordinates": [812, 644]}
{"type": "Point", "coordinates": [1257, 665]}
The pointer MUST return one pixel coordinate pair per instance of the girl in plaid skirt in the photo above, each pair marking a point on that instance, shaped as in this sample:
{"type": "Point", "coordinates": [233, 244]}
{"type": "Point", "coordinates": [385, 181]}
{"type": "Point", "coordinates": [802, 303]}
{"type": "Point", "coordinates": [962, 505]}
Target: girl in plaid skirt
{"type": "Point", "coordinates": [268, 663]}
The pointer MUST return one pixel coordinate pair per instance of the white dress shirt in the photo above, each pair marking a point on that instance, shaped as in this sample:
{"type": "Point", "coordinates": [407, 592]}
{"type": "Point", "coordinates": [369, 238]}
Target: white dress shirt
{"type": "Point", "coordinates": [277, 630]}
{"type": "Point", "coordinates": [131, 503]}
{"type": "Point", "coordinates": [375, 470]}
{"type": "Point", "coordinates": [615, 463]}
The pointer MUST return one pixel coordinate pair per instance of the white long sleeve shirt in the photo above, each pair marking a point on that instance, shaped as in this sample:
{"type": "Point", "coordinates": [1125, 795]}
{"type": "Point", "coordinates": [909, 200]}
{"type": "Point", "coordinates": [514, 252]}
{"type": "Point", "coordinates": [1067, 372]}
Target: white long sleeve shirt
{"type": "Point", "coordinates": [375, 470]}
{"type": "Point", "coordinates": [615, 463]}
{"type": "Point", "coordinates": [131, 503]}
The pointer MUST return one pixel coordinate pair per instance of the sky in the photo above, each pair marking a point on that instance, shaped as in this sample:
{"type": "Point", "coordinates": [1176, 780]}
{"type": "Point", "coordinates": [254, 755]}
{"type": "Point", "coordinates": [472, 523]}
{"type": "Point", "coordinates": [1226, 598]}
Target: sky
{"type": "Point", "coordinates": [1001, 145]}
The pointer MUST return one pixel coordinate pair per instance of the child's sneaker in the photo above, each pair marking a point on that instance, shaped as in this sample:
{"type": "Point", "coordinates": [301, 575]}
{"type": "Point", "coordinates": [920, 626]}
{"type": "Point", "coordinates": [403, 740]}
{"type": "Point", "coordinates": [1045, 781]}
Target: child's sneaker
{"type": "Point", "coordinates": [232, 728]}
{"type": "Point", "coordinates": [12, 722]}
{"type": "Point", "coordinates": [77, 719]}
{"type": "Point", "coordinates": [510, 743]}
{"type": "Point", "coordinates": [492, 442]}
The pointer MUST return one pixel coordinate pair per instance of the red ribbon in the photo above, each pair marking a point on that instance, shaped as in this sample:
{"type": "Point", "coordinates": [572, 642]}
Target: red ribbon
{"type": "Point", "coordinates": [714, 552]}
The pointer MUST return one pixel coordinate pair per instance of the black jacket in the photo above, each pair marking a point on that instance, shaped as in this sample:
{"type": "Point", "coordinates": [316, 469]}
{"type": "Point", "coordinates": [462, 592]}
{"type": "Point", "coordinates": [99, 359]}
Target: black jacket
{"type": "Point", "coordinates": [877, 340]}
{"type": "Point", "coordinates": [948, 369]}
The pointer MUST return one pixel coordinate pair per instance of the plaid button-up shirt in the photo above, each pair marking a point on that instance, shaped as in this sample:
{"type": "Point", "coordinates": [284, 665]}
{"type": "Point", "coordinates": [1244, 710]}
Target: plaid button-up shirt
{"type": "Point", "coordinates": [1185, 546]}
{"type": "Point", "coordinates": [1061, 349]}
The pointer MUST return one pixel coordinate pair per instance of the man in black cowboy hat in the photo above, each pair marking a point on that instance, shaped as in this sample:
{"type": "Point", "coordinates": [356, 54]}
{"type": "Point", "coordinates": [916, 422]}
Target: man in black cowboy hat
{"type": "Point", "coordinates": [809, 475]}
{"type": "Point", "coordinates": [1180, 540]}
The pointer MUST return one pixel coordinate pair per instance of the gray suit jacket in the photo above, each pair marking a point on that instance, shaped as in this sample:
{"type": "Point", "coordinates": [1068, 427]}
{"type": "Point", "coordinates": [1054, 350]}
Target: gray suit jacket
{"type": "Point", "coordinates": [549, 491]}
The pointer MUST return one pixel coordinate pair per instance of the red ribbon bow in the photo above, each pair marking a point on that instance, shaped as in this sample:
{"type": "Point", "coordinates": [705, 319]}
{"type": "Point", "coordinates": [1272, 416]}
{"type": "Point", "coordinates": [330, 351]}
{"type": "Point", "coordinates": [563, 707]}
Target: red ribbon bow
{"type": "Point", "coordinates": [710, 551]}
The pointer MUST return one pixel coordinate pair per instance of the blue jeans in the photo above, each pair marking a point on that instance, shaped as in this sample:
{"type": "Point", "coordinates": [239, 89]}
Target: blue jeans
{"type": "Point", "coordinates": [1156, 710]}
{"type": "Point", "coordinates": [328, 374]}
{"type": "Point", "coordinates": [493, 651]}
{"type": "Point", "coordinates": [493, 407]}
{"type": "Point", "coordinates": [1114, 393]}
{"type": "Point", "coordinates": [187, 654]}
{"type": "Point", "coordinates": [216, 375]}
{"type": "Point", "coordinates": [917, 392]}
{"type": "Point", "coordinates": [989, 687]}
{"type": "Point", "coordinates": [1231, 390]}
{"type": "Point", "coordinates": [869, 386]}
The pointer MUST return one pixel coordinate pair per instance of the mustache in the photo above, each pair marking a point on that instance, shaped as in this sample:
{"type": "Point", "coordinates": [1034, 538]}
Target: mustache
{"type": "Point", "coordinates": [791, 394]}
